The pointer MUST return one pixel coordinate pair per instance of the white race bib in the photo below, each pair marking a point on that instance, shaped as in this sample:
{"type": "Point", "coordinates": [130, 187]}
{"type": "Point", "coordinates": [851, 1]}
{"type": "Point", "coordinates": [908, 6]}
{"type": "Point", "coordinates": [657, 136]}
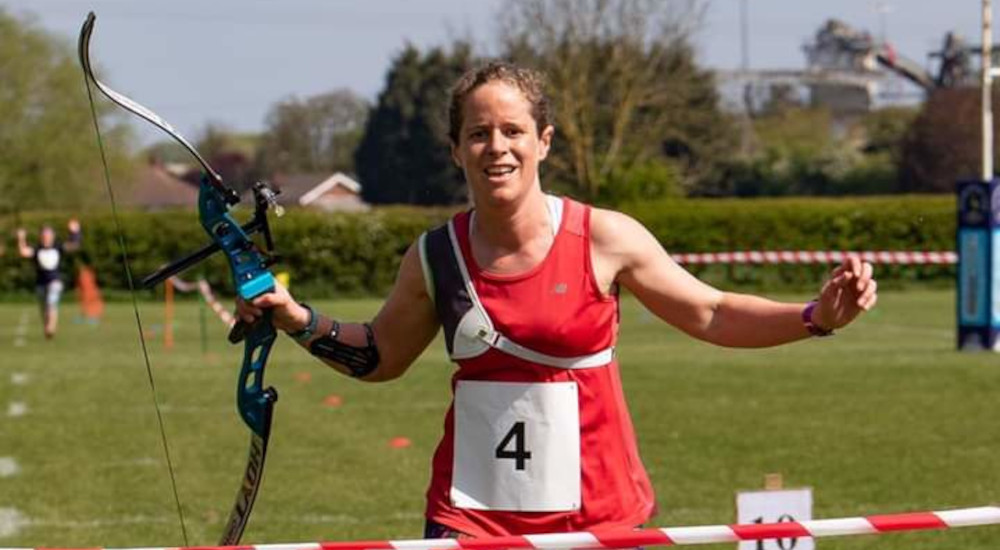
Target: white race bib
{"type": "Point", "coordinates": [517, 446]}
{"type": "Point", "coordinates": [48, 258]}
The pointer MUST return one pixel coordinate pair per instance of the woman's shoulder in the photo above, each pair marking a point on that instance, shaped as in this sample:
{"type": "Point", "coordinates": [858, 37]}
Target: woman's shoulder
{"type": "Point", "coordinates": [611, 226]}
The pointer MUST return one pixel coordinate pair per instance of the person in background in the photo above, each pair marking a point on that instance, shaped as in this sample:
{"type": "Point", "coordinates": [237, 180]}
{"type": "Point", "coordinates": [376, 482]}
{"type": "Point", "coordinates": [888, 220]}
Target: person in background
{"type": "Point", "coordinates": [49, 257]}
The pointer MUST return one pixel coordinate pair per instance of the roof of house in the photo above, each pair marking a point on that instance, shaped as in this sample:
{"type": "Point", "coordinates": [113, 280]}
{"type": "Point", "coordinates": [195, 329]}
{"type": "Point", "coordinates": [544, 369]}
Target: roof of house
{"type": "Point", "coordinates": [306, 188]}
{"type": "Point", "coordinates": [153, 187]}
{"type": "Point", "coordinates": [331, 183]}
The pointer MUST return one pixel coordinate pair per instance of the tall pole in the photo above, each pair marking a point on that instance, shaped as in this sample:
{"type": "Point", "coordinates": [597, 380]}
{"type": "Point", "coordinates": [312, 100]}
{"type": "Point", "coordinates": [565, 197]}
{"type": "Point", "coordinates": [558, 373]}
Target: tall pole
{"type": "Point", "coordinates": [744, 37]}
{"type": "Point", "coordinates": [987, 63]}
{"type": "Point", "coordinates": [882, 9]}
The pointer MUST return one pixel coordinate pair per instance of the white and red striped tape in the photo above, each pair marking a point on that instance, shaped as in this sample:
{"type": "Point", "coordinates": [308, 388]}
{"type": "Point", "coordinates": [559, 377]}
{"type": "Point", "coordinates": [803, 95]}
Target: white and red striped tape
{"type": "Point", "coordinates": [698, 258]}
{"type": "Point", "coordinates": [206, 293]}
{"type": "Point", "coordinates": [817, 257]}
{"type": "Point", "coordinates": [669, 536]}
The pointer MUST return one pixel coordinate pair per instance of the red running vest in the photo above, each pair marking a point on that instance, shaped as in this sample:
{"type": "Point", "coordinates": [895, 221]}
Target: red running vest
{"type": "Point", "coordinates": [555, 309]}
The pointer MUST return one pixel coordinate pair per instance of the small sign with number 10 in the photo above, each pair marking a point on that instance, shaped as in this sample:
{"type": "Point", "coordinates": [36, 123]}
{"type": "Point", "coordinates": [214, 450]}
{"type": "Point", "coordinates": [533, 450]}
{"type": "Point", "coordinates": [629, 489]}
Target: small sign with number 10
{"type": "Point", "coordinates": [775, 507]}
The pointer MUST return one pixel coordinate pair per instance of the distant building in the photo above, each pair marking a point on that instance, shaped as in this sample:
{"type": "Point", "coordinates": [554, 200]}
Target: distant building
{"type": "Point", "coordinates": [331, 193]}
{"type": "Point", "coordinates": [851, 72]}
{"type": "Point", "coordinates": [155, 188]}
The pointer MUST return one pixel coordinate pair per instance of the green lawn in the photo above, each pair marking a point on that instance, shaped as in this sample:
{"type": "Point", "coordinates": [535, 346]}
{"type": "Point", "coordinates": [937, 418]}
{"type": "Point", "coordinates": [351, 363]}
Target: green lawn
{"type": "Point", "coordinates": [885, 417]}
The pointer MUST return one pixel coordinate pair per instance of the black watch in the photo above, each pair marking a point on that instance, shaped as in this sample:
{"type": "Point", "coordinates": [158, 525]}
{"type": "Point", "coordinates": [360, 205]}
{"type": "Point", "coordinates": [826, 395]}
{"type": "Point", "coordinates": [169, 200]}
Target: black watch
{"type": "Point", "coordinates": [306, 333]}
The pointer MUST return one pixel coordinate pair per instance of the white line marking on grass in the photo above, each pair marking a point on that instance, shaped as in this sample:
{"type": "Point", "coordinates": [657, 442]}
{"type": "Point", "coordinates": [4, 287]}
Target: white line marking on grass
{"type": "Point", "coordinates": [143, 461]}
{"type": "Point", "coordinates": [22, 323]}
{"type": "Point", "coordinates": [406, 515]}
{"type": "Point", "coordinates": [110, 522]}
{"type": "Point", "coordinates": [320, 519]}
{"type": "Point", "coordinates": [21, 331]}
{"type": "Point", "coordinates": [18, 378]}
{"type": "Point", "coordinates": [16, 409]}
{"type": "Point", "coordinates": [342, 519]}
{"type": "Point", "coordinates": [8, 467]}
{"type": "Point", "coordinates": [11, 521]}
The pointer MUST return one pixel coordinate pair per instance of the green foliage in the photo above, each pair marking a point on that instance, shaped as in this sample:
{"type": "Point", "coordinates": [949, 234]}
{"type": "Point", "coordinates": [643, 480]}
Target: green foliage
{"type": "Point", "coordinates": [314, 134]}
{"type": "Point", "coordinates": [886, 129]}
{"type": "Point", "coordinates": [358, 254]}
{"type": "Point", "coordinates": [167, 150]}
{"type": "Point", "coordinates": [625, 86]}
{"type": "Point", "coordinates": [404, 156]}
{"type": "Point", "coordinates": [877, 223]}
{"type": "Point", "coordinates": [229, 153]}
{"type": "Point", "coordinates": [874, 173]}
{"type": "Point", "coordinates": [326, 254]}
{"type": "Point", "coordinates": [944, 143]}
{"type": "Point", "coordinates": [48, 154]}
{"type": "Point", "coordinates": [654, 179]}
{"type": "Point", "coordinates": [802, 151]}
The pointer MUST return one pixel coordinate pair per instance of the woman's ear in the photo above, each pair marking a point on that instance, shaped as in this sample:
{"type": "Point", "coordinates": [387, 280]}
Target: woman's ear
{"type": "Point", "coordinates": [454, 156]}
{"type": "Point", "coordinates": [545, 141]}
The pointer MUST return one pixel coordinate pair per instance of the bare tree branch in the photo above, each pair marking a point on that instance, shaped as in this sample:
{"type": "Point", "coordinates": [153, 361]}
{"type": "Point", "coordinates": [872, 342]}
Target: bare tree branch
{"type": "Point", "coordinates": [618, 71]}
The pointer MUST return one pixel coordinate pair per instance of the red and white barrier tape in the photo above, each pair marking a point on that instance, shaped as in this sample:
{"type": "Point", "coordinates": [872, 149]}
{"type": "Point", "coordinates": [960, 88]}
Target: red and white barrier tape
{"type": "Point", "coordinates": [817, 257]}
{"type": "Point", "coordinates": [699, 258]}
{"type": "Point", "coordinates": [213, 303]}
{"type": "Point", "coordinates": [206, 293]}
{"type": "Point", "coordinates": [669, 536]}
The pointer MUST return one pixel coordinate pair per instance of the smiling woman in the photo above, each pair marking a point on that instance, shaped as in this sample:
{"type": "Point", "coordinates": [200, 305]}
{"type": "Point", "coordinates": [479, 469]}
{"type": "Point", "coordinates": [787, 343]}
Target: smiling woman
{"type": "Point", "coordinates": [525, 286]}
{"type": "Point", "coordinates": [500, 134]}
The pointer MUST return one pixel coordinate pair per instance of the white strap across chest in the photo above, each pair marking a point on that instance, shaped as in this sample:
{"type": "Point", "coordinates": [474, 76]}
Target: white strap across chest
{"type": "Point", "coordinates": [476, 333]}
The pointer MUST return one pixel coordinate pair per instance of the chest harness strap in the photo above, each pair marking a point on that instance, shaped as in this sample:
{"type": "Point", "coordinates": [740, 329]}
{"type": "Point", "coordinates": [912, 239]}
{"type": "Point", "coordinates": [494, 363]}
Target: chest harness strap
{"type": "Point", "coordinates": [469, 331]}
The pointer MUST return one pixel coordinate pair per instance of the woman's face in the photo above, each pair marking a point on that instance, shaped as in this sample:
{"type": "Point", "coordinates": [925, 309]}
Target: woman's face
{"type": "Point", "coordinates": [499, 147]}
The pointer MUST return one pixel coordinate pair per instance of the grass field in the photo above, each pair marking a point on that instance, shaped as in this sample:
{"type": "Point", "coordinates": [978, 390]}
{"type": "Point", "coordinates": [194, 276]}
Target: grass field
{"type": "Point", "coordinates": [885, 417]}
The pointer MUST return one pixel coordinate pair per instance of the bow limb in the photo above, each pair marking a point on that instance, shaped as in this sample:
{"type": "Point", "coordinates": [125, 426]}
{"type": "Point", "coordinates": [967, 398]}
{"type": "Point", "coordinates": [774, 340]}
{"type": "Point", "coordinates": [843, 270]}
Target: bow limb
{"type": "Point", "coordinates": [132, 106]}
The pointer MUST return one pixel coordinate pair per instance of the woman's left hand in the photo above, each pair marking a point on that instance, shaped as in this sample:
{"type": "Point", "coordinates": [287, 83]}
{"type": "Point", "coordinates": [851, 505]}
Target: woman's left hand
{"type": "Point", "coordinates": [849, 291]}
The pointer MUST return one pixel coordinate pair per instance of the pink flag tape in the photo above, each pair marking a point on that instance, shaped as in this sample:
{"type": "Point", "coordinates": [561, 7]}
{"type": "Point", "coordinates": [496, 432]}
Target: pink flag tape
{"type": "Point", "coordinates": [817, 257]}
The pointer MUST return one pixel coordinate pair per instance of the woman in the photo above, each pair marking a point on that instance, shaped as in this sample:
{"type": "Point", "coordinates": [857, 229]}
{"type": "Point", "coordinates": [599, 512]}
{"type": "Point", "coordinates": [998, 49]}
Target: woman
{"type": "Point", "coordinates": [538, 438]}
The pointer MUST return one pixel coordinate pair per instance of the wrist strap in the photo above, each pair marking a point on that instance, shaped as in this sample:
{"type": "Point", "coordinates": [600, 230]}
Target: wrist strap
{"type": "Point", "coordinates": [812, 327]}
{"type": "Point", "coordinates": [307, 332]}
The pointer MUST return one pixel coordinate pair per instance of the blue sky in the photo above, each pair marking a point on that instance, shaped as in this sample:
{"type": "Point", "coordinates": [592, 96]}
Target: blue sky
{"type": "Point", "coordinates": [227, 61]}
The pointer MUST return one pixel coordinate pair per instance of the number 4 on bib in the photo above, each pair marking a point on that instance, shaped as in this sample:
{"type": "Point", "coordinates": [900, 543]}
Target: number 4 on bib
{"type": "Point", "coordinates": [516, 437]}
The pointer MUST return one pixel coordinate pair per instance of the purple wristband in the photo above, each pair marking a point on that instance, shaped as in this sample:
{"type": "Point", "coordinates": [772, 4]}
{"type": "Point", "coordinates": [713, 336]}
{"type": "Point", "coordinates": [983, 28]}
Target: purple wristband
{"type": "Point", "coordinates": [812, 327]}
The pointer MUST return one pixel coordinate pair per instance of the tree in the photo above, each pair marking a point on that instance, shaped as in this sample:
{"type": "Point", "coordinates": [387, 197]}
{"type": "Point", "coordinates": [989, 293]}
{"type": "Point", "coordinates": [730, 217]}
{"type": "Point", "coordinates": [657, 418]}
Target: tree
{"type": "Point", "coordinates": [625, 85]}
{"type": "Point", "coordinates": [315, 134]}
{"type": "Point", "coordinates": [799, 153]}
{"type": "Point", "coordinates": [943, 144]}
{"type": "Point", "coordinates": [231, 155]}
{"type": "Point", "coordinates": [48, 153]}
{"type": "Point", "coordinates": [404, 155]}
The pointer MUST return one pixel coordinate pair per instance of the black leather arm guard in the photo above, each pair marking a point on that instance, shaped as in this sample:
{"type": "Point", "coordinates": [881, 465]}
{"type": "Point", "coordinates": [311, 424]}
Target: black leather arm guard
{"type": "Point", "coordinates": [361, 361]}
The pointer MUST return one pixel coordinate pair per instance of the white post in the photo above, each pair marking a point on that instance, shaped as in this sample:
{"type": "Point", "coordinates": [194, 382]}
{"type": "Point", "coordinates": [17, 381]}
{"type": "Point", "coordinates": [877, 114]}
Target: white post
{"type": "Point", "coordinates": [987, 63]}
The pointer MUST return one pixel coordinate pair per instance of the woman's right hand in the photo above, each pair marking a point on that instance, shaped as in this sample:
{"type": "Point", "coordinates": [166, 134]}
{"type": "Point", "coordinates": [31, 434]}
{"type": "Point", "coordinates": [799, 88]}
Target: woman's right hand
{"type": "Point", "coordinates": [286, 314]}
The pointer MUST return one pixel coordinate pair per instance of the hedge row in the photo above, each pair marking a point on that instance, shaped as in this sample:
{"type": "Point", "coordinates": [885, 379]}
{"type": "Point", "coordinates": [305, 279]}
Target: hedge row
{"type": "Point", "coordinates": [326, 255]}
{"type": "Point", "coordinates": [352, 254]}
{"type": "Point", "coordinates": [912, 223]}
